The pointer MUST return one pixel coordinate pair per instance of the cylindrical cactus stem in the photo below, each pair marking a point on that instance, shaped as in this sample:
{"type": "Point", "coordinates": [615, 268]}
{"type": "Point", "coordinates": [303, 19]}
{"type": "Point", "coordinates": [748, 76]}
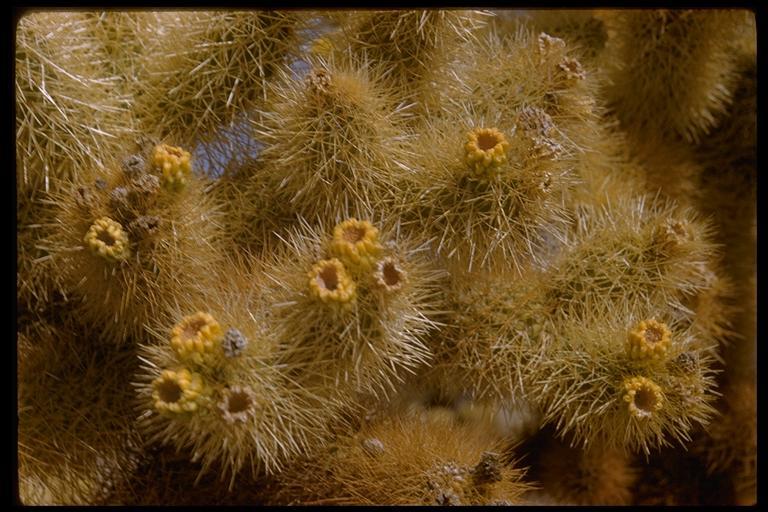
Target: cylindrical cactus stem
{"type": "Point", "coordinates": [571, 475]}
{"type": "Point", "coordinates": [76, 429]}
{"type": "Point", "coordinates": [671, 71]}
{"type": "Point", "coordinates": [409, 47]}
{"type": "Point", "coordinates": [213, 387]}
{"type": "Point", "coordinates": [489, 193]}
{"type": "Point", "coordinates": [406, 459]}
{"type": "Point", "coordinates": [128, 242]}
{"type": "Point", "coordinates": [333, 146]}
{"type": "Point", "coordinates": [626, 376]}
{"type": "Point", "coordinates": [354, 314]}
{"type": "Point", "coordinates": [202, 70]}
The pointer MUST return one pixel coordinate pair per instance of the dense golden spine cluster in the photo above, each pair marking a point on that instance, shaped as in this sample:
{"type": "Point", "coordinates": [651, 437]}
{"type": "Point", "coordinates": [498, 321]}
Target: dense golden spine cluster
{"type": "Point", "coordinates": [399, 257]}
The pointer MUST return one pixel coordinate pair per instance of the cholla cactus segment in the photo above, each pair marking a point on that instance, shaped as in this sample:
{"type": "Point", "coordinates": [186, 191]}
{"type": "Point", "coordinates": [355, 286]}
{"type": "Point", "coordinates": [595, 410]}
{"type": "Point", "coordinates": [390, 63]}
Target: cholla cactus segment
{"type": "Point", "coordinates": [486, 150]}
{"type": "Point", "coordinates": [177, 391]}
{"type": "Point", "coordinates": [174, 162]}
{"type": "Point", "coordinates": [389, 275]}
{"type": "Point", "coordinates": [643, 396]}
{"type": "Point", "coordinates": [671, 72]}
{"type": "Point", "coordinates": [233, 343]}
{"type": "Point", "coordinates": [408, 459]}
{"type": "Point", "coordinates": [649, 340]}
{"type": "Point", "coordinates": [107, 239]}
{"type": "Point", "coordinates": [330, 282]}
{"type": "Point", "coordinates": [356, 243]}
{"type": "Point", "coordinates": [237, 405]}
{"type": "Point", "coordinates": [195, 337]}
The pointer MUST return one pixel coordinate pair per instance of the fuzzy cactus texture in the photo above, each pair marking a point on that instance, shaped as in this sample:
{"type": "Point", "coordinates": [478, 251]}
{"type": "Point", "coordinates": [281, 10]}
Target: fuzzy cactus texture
{"type": "Point", "coordinates": [386, 257]}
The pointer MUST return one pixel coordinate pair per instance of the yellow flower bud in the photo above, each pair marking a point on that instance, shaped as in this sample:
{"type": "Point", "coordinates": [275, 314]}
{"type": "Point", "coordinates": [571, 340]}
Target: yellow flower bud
{"type": "Point", "coordinates": [330, 282]}
{"type": "Point", "coordinates": [175, 164]}
{"type": "Point", "coordinates": [648, 340]}
{"type": "Point", "coordinates": [356, 243]}
{"type": "Point", "coordinates": [485, 151]}
{"type": "Point", "coordinates": [196, 337]}
{"type": "Point", "coordinates": [107, 239]}
{"type": "Point", "coordinates": [177, 391]}
{"type": "Point", "coordinates": [643, 396]}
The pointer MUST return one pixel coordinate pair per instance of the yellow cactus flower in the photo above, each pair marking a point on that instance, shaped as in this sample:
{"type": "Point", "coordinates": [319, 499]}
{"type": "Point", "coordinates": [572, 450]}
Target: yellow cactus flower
{"type": "Point", "coordinates": [389, 275]}
{"type": "Point", "coordinates": [174, 162]}
{"type": "Point", "coordinates": [356, 243]}
{"type": "Point", "coordinates": [107, 239]}
{"type": "Point", "coordinates": [648, 340]}
{"type": "Point", "coordinates": [485, 150]}
{"type": "Point", "coordinates": [196, 337]}
{"type": "Point", "coordinates": [330, 282]}
{"type": "Point", "coordinates": [177, 391]}
{"type": "Point", "coordinates": [643, 396]}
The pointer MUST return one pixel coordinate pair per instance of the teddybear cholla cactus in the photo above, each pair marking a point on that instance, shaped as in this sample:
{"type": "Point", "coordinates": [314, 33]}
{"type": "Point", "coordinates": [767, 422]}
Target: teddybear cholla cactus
{"type": "Point", "coordinates": [488, 192]}
{"type": "Point", "coordinates": [130, 240]}
{"type": "Point", "coordinates": [353, 304]}
{"type": "Point", "coordinates": [629, 379]}
{"type": "Point", "coordinates": [432, 208]}
{"type": "Point", "coordinates": [416, 459]}
{"type": "Point", "coordinates": [213, 384]}
{"type": "Point", "coordinates": [671, 71]}
{"type": "Point", "coordinates": [333, 146]}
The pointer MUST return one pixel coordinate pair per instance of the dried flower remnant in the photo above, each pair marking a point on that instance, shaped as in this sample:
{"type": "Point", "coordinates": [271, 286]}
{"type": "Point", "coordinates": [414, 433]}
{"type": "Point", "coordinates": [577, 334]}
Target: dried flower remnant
{"type": "Point", "coordinates": [389, 275]}
{"type": "Point", "coordinates": [488, 470]}
{"type": "Point", "coordinates": [196, 336]}
{"type": "Point", "coordinates": [447, 482]}
{"type": "Point", "coordinates": [133, 166]}
{"type": "Point", "coordinates": [356, 243]}
{"type": "Point", "coordinates": [177, 391]}
{"type": "Point", "coordinates": [234, 343]}
{"type": "Point", "coordinates": [672, 233]}
{"type": "Point", "coordinates": [643, 396]}
{"type": "Point", "coordinates": [485, 151]}
{"type": "Point", "coordinates": [572, 69]}
{"type": "Point", "coordinates": [144, 226]}
{"type": "Point", "coordinates": [107, 239]}
{"type": "Point", "coordinates": [118, 200]}
{"type": "Point", "coordinates": [536, 121]}
{"type": "Point", "coordinates": [648, 340]}
{"type": "Point", "coordinates": [330, 282]}
{"type": "Point", "coordinates": [146, 184]}
{"type": "Point", "coordinates": [685, 362]}
{"type": "Point", "coordinates": [372, 446]}
{"type": "Point", "coordinates": [548, 44]}
{"type": "Point", "coordinates": [537, 125]}
{"type": "Point", "coordinates": [318, 81]}
{"type": "Point", "coordinates": [175, 164]}
{"type": "Point", "coordinates": [237, 405]}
